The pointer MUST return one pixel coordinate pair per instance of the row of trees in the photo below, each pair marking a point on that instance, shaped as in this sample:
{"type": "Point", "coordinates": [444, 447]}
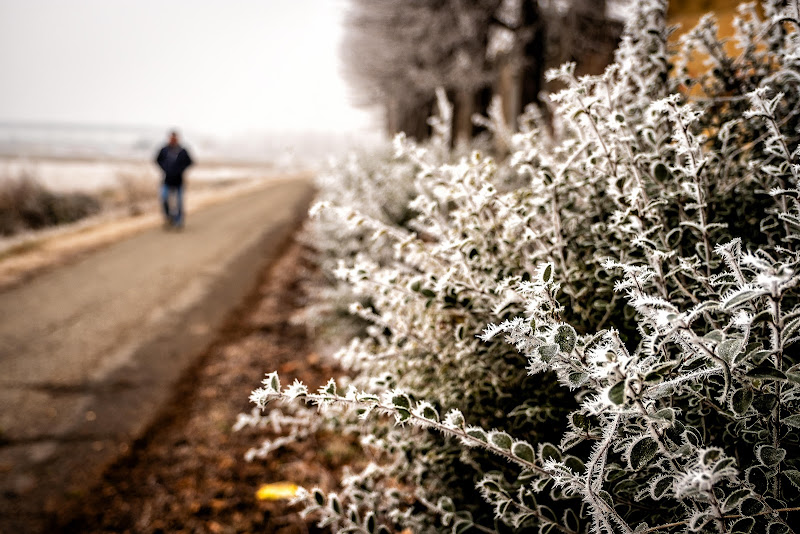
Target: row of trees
{"type": "Point", "coordinates": [397, 53]}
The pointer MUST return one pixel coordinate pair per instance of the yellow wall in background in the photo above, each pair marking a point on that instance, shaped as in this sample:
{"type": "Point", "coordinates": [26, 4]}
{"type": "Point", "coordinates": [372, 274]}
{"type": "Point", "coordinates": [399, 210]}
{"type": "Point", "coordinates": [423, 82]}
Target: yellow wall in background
{"type": "Point", "coordinates": [688, 12]}
{"type": "Point", "coordinates": [700, 7]}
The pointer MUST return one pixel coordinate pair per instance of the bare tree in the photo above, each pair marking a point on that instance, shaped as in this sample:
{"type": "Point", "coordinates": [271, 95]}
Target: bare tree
{"type": "Point", "coordinates": [397, 53]}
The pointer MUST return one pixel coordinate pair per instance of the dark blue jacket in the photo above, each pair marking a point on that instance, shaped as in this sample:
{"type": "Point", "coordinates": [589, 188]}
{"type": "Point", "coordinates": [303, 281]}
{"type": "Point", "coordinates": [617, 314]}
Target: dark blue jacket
{"type": "Point", "coordinates": [173, 164]}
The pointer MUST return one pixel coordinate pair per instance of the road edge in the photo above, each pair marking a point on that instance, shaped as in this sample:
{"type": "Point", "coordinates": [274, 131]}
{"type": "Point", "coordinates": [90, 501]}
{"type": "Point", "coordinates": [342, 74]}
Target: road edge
{"type": "Point", "coordinates": [74, 466]}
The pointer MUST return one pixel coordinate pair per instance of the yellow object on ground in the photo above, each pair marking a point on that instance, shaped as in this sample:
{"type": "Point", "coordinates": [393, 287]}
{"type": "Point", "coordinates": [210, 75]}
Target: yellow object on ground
{"type": "Point", "coordinates": [276, 491]}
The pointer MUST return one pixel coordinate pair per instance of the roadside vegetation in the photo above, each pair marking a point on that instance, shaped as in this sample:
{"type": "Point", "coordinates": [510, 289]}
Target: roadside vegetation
{"type": "Point", "coordinates": [25, 204]}
{"type": "Point", "coordinates": [597, 333]}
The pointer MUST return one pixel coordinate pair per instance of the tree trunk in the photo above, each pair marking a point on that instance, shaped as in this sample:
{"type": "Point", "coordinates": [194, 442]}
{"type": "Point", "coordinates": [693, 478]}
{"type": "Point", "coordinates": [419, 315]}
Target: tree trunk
{"type": "Point", "coordinates": [413, 118]}
{"type": "Point", "coordinates": [508, 88]}
{"type": "Point", "coordinates": [533, 53]}
{"type": "Point", "coordinates": [392, 116]}
{"type": "Point", "coordinates": [462, 116]}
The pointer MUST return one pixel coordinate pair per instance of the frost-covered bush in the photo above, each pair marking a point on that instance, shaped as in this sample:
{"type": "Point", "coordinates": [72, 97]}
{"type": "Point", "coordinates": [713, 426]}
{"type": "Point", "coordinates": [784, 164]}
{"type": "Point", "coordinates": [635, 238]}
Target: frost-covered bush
{"type": "Point", "coordinates": [612, 346]}
{"type": "Point", "coordinates": [372, 185]}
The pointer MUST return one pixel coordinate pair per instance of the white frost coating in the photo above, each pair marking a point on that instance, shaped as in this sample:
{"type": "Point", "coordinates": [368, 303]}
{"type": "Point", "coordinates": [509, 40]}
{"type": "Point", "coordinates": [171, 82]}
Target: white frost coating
{"type": "Point", "coordinates": [607, 319]}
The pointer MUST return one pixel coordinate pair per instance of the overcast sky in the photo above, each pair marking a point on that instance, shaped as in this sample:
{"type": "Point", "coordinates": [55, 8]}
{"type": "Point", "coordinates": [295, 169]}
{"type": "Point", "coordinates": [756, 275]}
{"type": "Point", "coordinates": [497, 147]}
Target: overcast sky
{"type": "Point", "coordinates": [212, 66]}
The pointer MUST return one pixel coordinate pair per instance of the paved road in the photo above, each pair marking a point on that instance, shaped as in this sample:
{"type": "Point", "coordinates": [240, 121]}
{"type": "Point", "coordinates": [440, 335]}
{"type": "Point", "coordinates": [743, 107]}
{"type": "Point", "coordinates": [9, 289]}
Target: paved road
{"type": "Point", "coordinates": [89, 351]}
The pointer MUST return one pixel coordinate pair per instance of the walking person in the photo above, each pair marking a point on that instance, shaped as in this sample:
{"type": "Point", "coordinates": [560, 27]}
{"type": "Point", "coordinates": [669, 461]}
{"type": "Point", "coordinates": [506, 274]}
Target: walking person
{"type": "Point", "coordinates": [173, 160]}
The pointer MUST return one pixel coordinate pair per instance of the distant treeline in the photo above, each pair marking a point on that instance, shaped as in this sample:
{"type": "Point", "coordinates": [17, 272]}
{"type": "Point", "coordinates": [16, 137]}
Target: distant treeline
{"type": "Point", "coordinates": [397, 53]}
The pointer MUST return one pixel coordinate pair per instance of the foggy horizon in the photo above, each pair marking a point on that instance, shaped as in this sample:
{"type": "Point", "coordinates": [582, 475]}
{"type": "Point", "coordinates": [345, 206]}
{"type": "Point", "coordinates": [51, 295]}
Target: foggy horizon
{"type": "Point", "coordinates": [206, 67]}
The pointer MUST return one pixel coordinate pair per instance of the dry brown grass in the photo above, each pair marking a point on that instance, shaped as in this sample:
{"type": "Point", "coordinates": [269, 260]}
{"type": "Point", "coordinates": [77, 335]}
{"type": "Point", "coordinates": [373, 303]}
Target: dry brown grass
{"type": "Point", "coordinates": [134, 193]}
{"type": "Point", "coordinates": [25, 204]}
{"type": "Point", "coordinates": [27, 255]}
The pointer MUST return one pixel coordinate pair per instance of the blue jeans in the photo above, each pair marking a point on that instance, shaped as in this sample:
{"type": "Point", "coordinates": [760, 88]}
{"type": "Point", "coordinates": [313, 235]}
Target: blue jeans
{"type": "Point", "coordinates": [172, 202]}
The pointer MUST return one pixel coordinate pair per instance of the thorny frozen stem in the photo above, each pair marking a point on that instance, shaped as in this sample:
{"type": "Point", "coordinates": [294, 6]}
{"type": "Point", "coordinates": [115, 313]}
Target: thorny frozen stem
{"type": "Point", "coordinates": [729, 516]}
{"type": "Point", "coordinates": [776, 325]}
{"type": "Point", "coordinates": [320, 400]}
{"type": "Point", "coordinates": [594, 469]}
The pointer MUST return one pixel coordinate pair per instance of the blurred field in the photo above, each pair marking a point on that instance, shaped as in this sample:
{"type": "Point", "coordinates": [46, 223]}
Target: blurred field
{"type": "Point", "coordinates": [51, 210]}
{"type": "Point", "coordinates": [94, 174]}
{"type": "Point", "coordinates": [39, 192]}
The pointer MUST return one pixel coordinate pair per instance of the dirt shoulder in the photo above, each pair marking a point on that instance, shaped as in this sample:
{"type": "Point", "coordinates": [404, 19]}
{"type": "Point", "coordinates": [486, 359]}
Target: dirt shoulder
{"type": "Point", "coordinates": [188, 473]}
{"type": "Point", "coordinates": [91, 351]}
